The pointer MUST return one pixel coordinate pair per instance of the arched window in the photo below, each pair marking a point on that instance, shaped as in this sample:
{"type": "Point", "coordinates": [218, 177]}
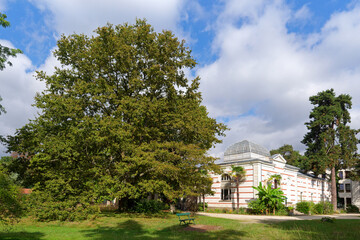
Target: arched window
{"type": "Point", "coordinates": [225, 177]}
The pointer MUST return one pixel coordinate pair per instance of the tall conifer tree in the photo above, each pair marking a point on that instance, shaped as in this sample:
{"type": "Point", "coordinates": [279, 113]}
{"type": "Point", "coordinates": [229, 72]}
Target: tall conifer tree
{"type": "Point", "coordinates": [331, 143]}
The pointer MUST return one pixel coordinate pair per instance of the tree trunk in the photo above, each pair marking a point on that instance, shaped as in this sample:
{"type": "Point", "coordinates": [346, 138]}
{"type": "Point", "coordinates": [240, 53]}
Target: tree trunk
{"type": "Point", "coordinates": [237, 195]}
{"type": "Point", "coordinates": [333, 189]}
{"type": "Point", "coordinates": [204, 202]}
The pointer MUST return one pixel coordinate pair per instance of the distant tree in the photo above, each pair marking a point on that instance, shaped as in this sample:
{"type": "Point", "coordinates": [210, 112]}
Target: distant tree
{"type": "Point", "coordinates": [120, 119]}
{"type": "Point", "coordinates": [331, 143]}
{"type": "Point", "coordinates": [291, 156]}
{"type": "Point", "coordinates": [237, 177]}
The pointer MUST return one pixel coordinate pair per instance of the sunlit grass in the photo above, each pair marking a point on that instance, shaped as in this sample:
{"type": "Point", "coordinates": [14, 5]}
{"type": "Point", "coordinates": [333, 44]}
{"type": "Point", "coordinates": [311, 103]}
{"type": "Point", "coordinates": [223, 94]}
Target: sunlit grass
{"type": "Point", "coordinates": [125, 226]}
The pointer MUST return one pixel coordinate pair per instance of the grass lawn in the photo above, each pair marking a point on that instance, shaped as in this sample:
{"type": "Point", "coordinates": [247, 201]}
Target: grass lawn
{"type": "Point", "coordinates": [133, 227]}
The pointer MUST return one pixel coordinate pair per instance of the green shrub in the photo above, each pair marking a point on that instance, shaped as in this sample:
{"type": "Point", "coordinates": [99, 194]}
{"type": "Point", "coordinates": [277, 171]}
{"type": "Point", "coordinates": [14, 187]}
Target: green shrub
{"type": "Point", "coordinates": [303, 207]}
{"type": "Point", "coordinates": [149, 206]}
{"type": "Point", "coordinates": [43, 208]}
{"type": "Point", "coordinates": [10, 204]}
{"type": "Point", "coordinates": [322, 208]}
{"type": "Point", "coordinates": [257, 207]}
{"type": "Point", "coordinates": [201, 206]}
{"type": "Point", "coordinates": [352, 209]}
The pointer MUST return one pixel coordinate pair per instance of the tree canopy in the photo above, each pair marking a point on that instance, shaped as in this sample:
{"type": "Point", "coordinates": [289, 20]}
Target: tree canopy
{"type": "Point", "coordinates": [331, 143]}
{"type": "Point", "coordinates": [291, 156]}
{"type": "Point", "coordinates": [119, 119]}
{"type": "Point", "coordinates": [6, 52]}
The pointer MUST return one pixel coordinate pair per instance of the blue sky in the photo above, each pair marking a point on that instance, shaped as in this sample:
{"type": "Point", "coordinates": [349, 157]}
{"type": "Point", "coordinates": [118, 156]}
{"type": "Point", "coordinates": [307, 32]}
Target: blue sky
{"type": "Point", "coordinates": [259, 60]}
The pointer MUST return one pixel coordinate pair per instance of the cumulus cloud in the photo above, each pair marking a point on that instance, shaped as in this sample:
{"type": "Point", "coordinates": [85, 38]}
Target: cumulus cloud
{"type": "Point", "coordinates": [83, 16]}
{"type": "Point", "coordinates": [265, 74]}
{"type": "Point", "coordinates": [18, 88]}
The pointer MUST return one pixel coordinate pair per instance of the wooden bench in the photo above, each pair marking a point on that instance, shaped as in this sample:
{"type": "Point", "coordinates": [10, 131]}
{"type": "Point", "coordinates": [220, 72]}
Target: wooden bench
{"type": "Point", "coordinates": [187, 218]}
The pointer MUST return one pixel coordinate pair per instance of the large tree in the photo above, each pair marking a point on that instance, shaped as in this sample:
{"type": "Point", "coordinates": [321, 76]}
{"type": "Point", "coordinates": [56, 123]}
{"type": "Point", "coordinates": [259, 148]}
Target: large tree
{"type": "Point", "coordinates": [331, 143]}
{"type": "Point", "coordinates": [119, 119]}
{"type": "Point", "coordinates": [292, 156]}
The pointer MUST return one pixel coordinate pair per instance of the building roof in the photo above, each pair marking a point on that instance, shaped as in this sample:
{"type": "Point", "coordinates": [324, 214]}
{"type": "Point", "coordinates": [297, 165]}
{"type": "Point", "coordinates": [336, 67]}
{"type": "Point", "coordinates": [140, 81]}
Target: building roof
{"type": "Point", "coordinates": [245, 147]}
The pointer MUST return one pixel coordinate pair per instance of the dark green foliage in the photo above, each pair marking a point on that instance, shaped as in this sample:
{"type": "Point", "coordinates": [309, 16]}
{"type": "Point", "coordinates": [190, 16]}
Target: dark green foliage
{"type": "Point", "coordinates": [257, 206]}
{"type": "Point", "coordinates": [331, 143]}
{"type": "Point", "coordinates": [303, 207]}
{"type": "Point", "coordinates": [43, 207]}
{"type": "Point", "coordinates": [119, 120]}
{"type": "Point", "coordinates": [201, 207]}
{"type": "Point", "coordinates": [322, 208]}
{"type": "Point", "coordinates": [149, 206]}
{"type": "Point", "coordinates": [10, 199]}
{"type": "Point", "coordinates": [352, 209]}
{"type": "Point", "coordinates": [272, 199]}
{"type": "Point", "coordinates": [292, 157]}
{"type": "Point", "coordinates": [328, 219]}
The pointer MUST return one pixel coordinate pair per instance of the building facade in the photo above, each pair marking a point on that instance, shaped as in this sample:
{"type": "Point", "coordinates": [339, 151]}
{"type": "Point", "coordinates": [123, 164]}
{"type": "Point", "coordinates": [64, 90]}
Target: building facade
{"type": "Point", "coordinates": [349, 191]}
{"type": "Point", "coordinates": [259, 167]}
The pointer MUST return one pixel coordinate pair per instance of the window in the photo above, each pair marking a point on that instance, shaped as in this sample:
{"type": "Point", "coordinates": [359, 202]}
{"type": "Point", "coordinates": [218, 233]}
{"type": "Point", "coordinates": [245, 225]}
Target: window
{"type": "Point", "coordinates": [348, 187]}
{"type": "Point", "coordinates": [348, 201]}
{"type": "Point", "coordinates": [225, 177]}
{"type": "Point", "coordinates": [341, 203]}
{"type": "Point", "coordinates": [341, 174]}
{"type": "Point", "coordinates": [347, 174]}
{"type": "Point", "coordinates": [341, 187]}
{"type": "Point", "coordinates": [226, 194]}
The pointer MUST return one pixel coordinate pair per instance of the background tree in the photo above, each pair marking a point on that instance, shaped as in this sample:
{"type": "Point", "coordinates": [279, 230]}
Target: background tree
{"type": "Point", "coordinates": [291, 156]}
{"type": "Point", "coordinates": [119, 119]}
{"type": "Point", "coordinates": [237, 177]}
{"type": "Point", "coordinates": [331, 143]}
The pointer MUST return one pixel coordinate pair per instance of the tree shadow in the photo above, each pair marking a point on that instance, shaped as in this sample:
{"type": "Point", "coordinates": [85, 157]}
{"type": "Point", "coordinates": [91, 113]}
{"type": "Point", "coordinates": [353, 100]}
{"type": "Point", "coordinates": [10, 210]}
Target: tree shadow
{"type": "Point", "coordinates": [12, 235]}
{"type": "Point", "coordinates": [132, 229]}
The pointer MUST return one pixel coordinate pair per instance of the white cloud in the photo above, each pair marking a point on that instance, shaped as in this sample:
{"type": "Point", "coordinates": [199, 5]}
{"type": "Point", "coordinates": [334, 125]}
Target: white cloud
{"type": "Point", "coordinates": [18, 88]}
{"type": "Point", "coordinates": [264, 75]}
{"type": "Point", "coordinates": [84, 16]}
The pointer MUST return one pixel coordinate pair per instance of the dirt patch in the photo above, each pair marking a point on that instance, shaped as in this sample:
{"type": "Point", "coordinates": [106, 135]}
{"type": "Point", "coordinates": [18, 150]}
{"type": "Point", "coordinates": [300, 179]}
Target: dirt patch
{"type": "Point", "coordinates": [201, 228]}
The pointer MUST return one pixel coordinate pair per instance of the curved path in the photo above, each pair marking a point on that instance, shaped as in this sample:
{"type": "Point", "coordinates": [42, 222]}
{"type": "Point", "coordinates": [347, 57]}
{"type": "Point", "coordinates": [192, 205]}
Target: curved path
{"type": "Point", "coordinates": [264, 219]}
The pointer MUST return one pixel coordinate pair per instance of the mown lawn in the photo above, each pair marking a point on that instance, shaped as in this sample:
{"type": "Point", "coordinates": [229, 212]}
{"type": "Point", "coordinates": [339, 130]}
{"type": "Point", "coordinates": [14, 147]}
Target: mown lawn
{"type": "Point", "coordinates": [134, 227]}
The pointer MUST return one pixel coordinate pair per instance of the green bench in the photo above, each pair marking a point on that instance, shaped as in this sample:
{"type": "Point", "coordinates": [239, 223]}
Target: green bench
{"type": "Point", "coordinates": [185, 218]}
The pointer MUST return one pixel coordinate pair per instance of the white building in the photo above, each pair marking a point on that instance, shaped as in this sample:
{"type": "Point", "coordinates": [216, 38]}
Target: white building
{"type": "Point", "coordinates": [259, 166]}
{"type": "Point", "coordinates": [349, 191]}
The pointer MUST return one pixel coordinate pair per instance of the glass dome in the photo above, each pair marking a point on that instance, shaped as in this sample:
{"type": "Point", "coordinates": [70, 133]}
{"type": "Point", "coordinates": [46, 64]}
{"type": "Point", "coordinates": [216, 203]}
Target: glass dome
{"type": "Point", "coordinates": [246, 147]}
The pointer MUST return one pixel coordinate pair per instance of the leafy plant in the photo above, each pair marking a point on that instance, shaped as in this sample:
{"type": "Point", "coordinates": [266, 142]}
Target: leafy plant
{"type": "Point", "coordinates": [257, 206]}
{"type": "Point", "coordinates": [352, 209]}
{"type": "Point", "coordinates": [272, 199]}
{"type": "Point", "coordinates": [10, 204]}
{"type": "Point", "coordinates": [303, 207]}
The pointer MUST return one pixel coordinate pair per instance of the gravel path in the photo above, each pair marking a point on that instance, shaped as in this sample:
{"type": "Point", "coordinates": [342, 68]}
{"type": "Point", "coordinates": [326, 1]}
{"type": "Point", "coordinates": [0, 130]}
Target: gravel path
{"type": "Point", "coordinates": [264, 219]}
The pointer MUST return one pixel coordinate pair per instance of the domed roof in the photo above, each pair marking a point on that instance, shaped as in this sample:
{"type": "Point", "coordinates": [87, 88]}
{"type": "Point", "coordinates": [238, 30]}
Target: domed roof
{"type": "Point", "coordinates": [245, 147]}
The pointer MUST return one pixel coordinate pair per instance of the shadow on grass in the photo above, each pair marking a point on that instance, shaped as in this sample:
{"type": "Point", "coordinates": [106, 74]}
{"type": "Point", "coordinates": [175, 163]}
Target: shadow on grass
{"type": "Point", "coordinates": [132, 229]}
{"type": "Point", "coordinates": [12, 235]}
